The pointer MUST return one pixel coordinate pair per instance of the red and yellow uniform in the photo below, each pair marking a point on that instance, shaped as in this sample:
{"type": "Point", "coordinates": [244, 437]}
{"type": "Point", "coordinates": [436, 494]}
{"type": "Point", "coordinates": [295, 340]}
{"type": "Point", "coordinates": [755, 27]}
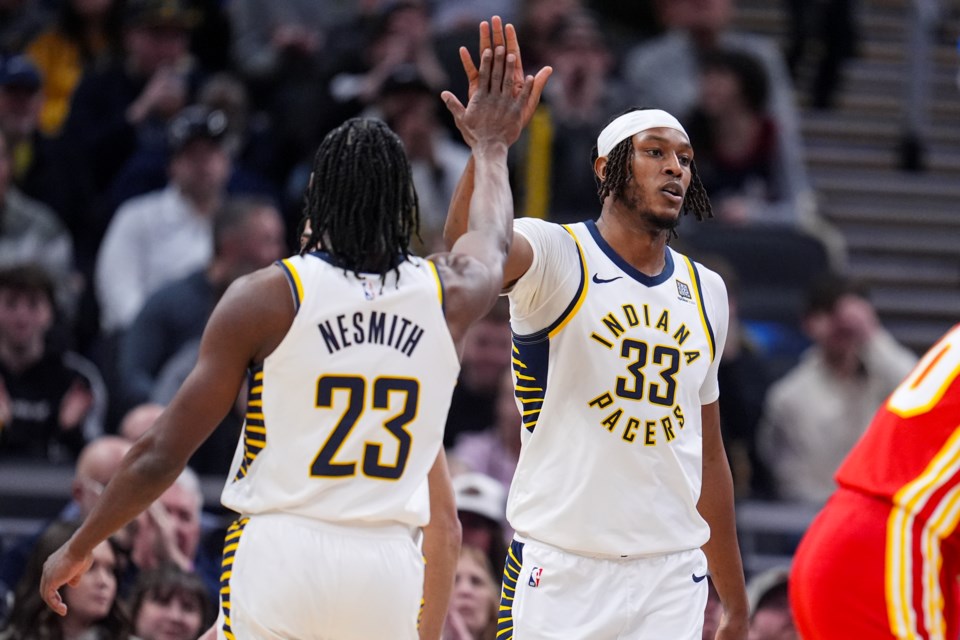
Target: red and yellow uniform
{"type": "Point", "coordinates": [883, 557]}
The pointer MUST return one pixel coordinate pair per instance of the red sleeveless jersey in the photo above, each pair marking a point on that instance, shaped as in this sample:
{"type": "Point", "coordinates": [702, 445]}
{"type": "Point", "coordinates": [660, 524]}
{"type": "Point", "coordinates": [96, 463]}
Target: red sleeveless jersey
{"type": "Point", "coordinates": [910, 454]}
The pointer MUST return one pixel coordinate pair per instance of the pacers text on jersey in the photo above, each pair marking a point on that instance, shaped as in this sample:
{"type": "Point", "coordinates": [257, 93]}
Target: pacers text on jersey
{"type": "Point", "coordinates": [371, 327]}
{"type": "Point", "coordinates": [652, 368]}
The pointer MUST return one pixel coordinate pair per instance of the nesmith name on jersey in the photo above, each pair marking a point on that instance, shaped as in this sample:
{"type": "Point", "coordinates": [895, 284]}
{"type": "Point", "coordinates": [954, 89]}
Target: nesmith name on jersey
{"type": "Point", "coordinates": [651, 368]}
{"type": "Point", "coordinates": [371, 327]}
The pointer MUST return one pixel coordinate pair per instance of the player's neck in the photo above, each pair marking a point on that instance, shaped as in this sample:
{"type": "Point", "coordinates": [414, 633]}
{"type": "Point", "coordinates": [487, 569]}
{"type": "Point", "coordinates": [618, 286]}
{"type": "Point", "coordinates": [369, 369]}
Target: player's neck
{"type": "Point", "coordinates": [640, 244]}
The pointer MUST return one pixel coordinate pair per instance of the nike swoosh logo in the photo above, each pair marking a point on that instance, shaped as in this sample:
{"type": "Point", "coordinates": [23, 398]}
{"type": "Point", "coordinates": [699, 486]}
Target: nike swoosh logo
{"type": "Point", "coordinates": [697, 578]}
{"type": "Point", "coordinates": [599, 280]}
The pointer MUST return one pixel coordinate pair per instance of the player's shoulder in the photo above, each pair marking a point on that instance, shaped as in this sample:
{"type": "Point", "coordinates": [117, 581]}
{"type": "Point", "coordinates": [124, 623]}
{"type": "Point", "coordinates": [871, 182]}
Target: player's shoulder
{"type": "Point", "coordinates": [261, 281]}
{"type": "Point", "coordinates": [538, 225]}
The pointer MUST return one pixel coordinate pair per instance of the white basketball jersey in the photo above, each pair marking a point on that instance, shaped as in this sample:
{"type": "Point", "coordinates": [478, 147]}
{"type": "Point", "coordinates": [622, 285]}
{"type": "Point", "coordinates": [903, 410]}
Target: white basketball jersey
{"type": "Point", "coordinates": [612, 367]}
{"type": "Point", "coordinates": [345, 418]}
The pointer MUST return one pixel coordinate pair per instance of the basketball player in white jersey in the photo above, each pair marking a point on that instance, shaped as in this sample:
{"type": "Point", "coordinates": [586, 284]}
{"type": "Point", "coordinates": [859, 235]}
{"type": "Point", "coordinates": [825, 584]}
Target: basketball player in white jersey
{"type": "Point", "coordinates": [351, 354]}
{"type": "Point", "coordinates": [622, 499]}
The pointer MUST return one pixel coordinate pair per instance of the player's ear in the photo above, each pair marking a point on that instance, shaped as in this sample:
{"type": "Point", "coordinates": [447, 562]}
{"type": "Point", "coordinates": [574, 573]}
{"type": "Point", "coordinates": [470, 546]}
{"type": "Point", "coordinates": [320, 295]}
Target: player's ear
{"type": "Point", "coordinates": [600, 168]}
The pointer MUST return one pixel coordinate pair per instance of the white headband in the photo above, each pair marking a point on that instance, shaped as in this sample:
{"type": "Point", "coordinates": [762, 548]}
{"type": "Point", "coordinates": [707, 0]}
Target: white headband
{"type": "Point", "coordinates": [632, 123]}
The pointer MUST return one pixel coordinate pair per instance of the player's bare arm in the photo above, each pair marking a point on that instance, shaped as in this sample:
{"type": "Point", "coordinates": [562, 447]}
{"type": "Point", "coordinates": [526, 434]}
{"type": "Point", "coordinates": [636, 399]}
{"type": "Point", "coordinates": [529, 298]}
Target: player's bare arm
{"type": "Point", "coordinates": [245, 327]}
{"type": "Point", "coordinates": [473, 271]}
{"type": "Point", "coordinates": [494, 34]}
{"type": "Point", "coordinates": [722, 550]}
{"type": "Point", "coordinates": [441, 549]}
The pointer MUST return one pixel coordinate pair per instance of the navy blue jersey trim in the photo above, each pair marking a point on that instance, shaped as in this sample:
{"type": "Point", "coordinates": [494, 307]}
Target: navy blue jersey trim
{"type": "Point", "coordinates": [642, 278]}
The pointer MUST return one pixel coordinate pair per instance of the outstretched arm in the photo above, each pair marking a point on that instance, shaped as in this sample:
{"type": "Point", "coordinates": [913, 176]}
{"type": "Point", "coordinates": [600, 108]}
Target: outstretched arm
{"type": "Point", "coordinates": [246, 325]}
{"type": "Point", "coordinates": [494, 34]}
{"type": "Point", "coordinates": [722, 550]}
{"type": "Point", "coordinates": [473, 271]}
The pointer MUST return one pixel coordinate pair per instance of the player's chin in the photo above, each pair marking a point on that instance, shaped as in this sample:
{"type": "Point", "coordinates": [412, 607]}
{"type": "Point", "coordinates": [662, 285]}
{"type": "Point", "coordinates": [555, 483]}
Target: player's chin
{"type": "Point", "coordinates": [667, 218]}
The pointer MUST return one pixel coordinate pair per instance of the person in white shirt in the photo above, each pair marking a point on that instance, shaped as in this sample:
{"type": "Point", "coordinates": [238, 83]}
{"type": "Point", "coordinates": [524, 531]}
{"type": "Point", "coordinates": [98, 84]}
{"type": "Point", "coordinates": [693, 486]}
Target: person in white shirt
{"type": "Point", "coordinates": [164, 235]}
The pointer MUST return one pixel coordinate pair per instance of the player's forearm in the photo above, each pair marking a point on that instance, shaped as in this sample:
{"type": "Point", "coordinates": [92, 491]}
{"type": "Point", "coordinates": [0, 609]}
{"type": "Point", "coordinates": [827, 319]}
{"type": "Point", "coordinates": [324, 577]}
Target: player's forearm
{"type": "Point", "coordinates": [142, 478]}
{"type": "Point", "coordinates": [490, 226]}
{"type": "Point", "coordinates": [491, 204]}
{"type": "Point", "coordinates": [441, 550]}
{"type": "Point", "coordinates": [722, 551]}
{"type": "Point", "coordinates": [459, 212]}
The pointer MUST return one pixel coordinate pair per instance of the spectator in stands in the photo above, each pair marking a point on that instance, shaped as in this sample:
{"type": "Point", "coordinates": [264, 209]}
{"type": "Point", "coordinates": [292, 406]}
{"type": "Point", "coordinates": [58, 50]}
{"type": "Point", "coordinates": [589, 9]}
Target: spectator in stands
{"type": "Point", "coordinates": [147, 169]}
{"type": "Point", "coordinates": [399, 34]}
{"type": "Point", "coordinates": [97, 463]}
{"type": "Point", "coordinates": [51, 400]}
{"type": "Point", "coordinates": [486, 355]}
{"type": "Point", "coordinates": [828, 28]}
{"type": "Point", "coordinates": [30, 232]}
{"type": "Point", "coordinates": [736, 141]}
{"type": "Point", "coordinates": [408, 104]}
{"type": "Point", "coordinates": [495, 450]}
{"type": "Point", "coordinates": [123, 105]}
{"type": "Point", "coordinates": [20, 21]}
{"type": "Point", "coordinates": [249, 136]}
{"type": "Point", "coordinates": [169, 603]}
{"type": "Point", "coordinates": [170, 531]}
{"type": "Point", "coordinates": [135, 259]}
{"type": "Point", "coordinates": [694, 28]}
{"type": "Point", "coordinates": [744, 377]}
{"type": "Point", "coordinates": [86, 34]}
{"type": "Point", "coordinates": [33, 154]}
{"type": "Point", "coordinates": [474, 605]}
{"type": "Point", "coordinates": [481, 507]}
{"type": "Point", "coordinates": [248, 234]}
{"type": "Point", "coordinates": [583, 92]}
{"type": "Point", "coordinates": [538, 21]}
{"type": "Point", "coordinates": [770, 615]}
{"type": "Point", "coordinates": [161, 348]}
{"type": "Point", "coordinates": [139, 419]}
{"type": "Point", "coordinates": [214, 456]}
{"type": "Point", "coordinates": [274, 39]}
{"type": "Point", "coordinates": [817, 411]}
{"type": "Point", "coordinates": [94, 612]}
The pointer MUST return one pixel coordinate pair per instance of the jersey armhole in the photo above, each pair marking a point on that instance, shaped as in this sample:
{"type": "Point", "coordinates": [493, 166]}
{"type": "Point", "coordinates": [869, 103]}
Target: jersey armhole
{"type": "Point", "coordinates": [440, 291]}
{"type": "Point", "coordinates": [701, 305]}
{"type": "Point", "coordinates": [293, 279]}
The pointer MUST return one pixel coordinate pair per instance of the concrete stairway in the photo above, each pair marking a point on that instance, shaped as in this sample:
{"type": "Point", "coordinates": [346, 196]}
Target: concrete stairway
{"type": "Point", "coordinates": [902, 229]}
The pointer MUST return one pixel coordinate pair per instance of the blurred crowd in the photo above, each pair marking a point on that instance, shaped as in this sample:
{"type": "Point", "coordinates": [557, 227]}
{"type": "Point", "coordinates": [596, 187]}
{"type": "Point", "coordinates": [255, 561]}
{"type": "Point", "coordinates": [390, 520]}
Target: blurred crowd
{"type": "Point", "coordinates": [153, 151]}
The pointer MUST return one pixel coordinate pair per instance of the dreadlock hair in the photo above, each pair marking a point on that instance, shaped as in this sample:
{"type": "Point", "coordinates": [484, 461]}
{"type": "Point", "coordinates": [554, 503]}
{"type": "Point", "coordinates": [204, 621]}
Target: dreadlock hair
{"type": "Point", "coordinates": [361, 203]}
{"type": "Point", "coordinates": [618, 175]}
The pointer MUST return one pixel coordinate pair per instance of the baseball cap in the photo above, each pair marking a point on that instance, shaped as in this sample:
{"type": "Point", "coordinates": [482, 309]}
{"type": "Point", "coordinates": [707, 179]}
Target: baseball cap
{"type": "Point", "coordinates": [763, 585]}
{"type": "Point", "coordinates": [195, 122]}
{"type": "Point", "coordinates": [19, 71]}
{"type": "Point", "coordinates": [479, 493]}
{"type": "Point", "coordinates": [160, 13]}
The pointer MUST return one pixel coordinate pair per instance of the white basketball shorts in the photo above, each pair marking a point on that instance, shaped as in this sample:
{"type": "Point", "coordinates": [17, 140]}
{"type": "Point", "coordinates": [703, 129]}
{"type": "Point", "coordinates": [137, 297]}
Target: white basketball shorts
{"type": "Point", "coordinates": [551, 594]}
{"type": "Point", "coordinates": [287, 577]}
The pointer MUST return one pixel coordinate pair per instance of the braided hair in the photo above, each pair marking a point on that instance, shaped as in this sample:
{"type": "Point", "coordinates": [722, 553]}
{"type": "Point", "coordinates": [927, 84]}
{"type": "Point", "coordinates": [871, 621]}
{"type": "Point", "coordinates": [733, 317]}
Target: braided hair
{"type": "Point", "coordinates": [361, 203]}
{"type": "Point", "coordinates": [618, 175]}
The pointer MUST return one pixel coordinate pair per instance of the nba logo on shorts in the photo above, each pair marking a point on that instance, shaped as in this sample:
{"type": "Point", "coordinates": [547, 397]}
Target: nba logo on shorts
{"type": "Point", "coordinates": [535, 576]}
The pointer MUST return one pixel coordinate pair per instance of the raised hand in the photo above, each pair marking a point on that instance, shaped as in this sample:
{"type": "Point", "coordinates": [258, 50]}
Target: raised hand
{"type": "Point", "coordinates": [494, 34]}
{"type": "Point", "coordinates": [494, 112]}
